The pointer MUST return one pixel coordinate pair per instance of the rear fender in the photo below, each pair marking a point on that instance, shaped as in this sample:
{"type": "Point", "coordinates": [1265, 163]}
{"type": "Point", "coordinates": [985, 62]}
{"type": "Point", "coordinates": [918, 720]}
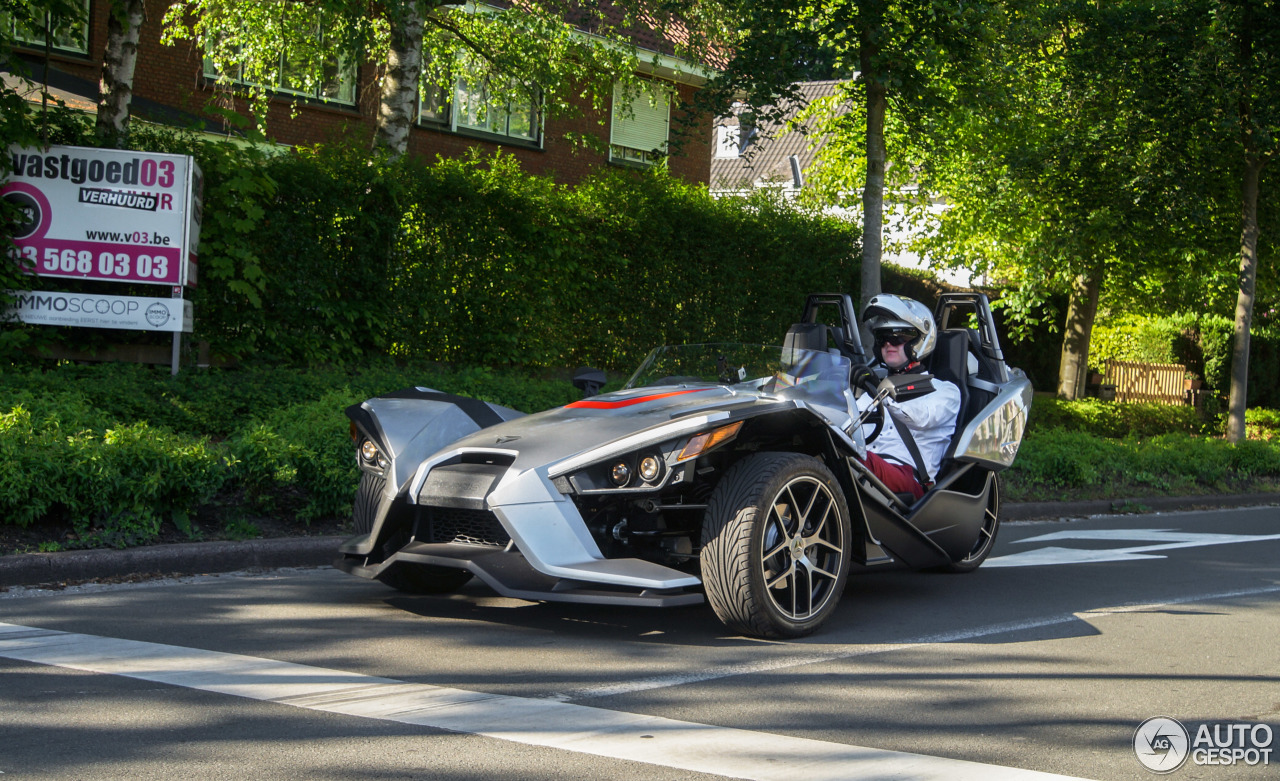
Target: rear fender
{"type": "Point", "coordinates": [994, 435]}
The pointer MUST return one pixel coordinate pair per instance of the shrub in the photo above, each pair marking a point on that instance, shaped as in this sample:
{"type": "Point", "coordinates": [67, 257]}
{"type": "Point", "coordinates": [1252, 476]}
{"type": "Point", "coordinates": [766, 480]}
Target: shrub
{"type": "Point", "coordinates": [1058, 464]}
{"type": "Point", "coordinates": [1201, 342]}
{"type": "Point", "coordinates": [326, 256]}
{"type": "Point", "coordinates": [318, 457]}
{"type": "Point", "coordinates": [70, 455]}
{"type": "Point", "coordinates": [1109, 419]}
{"type": "Point", "coordinates": [118, 485]}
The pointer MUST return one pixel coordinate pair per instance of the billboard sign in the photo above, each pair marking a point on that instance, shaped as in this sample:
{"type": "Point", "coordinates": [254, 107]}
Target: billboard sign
{"type": "Point", "coordinates": [90, 310]}
{"type": "Point", "coordinates": [106, 214]}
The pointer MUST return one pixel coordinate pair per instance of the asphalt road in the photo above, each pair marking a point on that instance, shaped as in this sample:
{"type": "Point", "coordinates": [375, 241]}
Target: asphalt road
{"type": "Point", "coordinates": [1046, 660]}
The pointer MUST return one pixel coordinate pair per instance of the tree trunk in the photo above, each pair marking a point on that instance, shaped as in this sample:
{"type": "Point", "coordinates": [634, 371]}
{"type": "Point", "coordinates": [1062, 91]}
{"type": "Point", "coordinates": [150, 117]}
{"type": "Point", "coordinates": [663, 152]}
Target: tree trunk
{"type": "Point", "coordinates": [873, 191]}
{"type": "Point", "coordinates": [1244, 301]}
{"type": "Point", "coordinates": [115, 90]}
{"type": "Point", "coordinates": [399, 102]}
{"type": "Point", "coordinates": [1073, 370]}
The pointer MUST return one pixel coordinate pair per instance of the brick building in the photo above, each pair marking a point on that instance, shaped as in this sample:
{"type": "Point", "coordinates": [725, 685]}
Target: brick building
{"type": "Point", "coordinates": [174, 85]}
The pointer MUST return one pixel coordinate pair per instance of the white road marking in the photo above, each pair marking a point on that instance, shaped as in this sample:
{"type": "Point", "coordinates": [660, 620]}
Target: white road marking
{"type": "Point", "coordinates": [1162, 539]}
{"type": "Point", "coordinates": [850, 652]}
{"type": "Point", "coordinates": [651, 739]}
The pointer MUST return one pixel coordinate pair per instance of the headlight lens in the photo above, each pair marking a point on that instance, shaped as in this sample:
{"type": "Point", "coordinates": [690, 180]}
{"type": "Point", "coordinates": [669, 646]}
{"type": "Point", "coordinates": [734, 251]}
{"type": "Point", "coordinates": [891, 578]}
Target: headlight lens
{"type": "Point", "coordinates": [650, 468]}
{"type": "Point", "coordinates": [370, 454]}
{"type": "Point", "coordinates": [620, 474]}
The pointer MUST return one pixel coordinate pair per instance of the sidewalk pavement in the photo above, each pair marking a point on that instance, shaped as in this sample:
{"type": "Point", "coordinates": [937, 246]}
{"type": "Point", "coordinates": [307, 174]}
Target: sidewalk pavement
{"type": "Point", "coordinates": [194, 558]}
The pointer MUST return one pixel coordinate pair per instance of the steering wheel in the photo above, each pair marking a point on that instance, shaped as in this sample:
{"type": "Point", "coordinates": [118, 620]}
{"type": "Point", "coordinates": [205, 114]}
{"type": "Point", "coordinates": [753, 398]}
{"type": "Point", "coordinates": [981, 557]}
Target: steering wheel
{"type": "Point", "coordinates": [876, 418]}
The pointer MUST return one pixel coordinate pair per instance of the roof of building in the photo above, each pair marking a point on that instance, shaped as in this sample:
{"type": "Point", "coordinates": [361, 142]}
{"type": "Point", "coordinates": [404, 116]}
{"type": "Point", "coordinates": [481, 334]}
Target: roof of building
{"type": "Point", "coordinates": [765, 151]}
{"type": "Point", "coordinates": [664, 34]}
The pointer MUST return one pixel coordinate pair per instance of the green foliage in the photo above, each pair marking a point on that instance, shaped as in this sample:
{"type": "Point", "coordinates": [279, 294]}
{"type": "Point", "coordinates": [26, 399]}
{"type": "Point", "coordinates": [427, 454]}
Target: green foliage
{"type": "Point", "coordinates": [1060, 463]}
{"type": "Point", "coordinates": [115, 451]}
{"type": "Point", "coordinates": [71, 455]}
{"type": "Point", "coordinates": [324, 256]}
{"type": "Point", "coordinates": [306, 446]}
{"type": "Point", "coordinates": [1133, 338]}
{"type": "Point", "coordinates": [529, 48]}
{"type": "Point", "coordinates": [237, 190]}
{"type": "Point", "coordinates": [1262, 423]}
{"type": "Point", "coordinates": [1202, 343]}
{"type": "Point", "coordinates": [116, 486]}
{"type": "Point", "coordinates": [1096, 418]}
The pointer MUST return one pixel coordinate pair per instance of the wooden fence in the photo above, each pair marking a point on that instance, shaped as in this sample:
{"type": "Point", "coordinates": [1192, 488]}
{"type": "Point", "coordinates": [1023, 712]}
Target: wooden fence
{"type": "Point", "coordinates": [1162, 383]}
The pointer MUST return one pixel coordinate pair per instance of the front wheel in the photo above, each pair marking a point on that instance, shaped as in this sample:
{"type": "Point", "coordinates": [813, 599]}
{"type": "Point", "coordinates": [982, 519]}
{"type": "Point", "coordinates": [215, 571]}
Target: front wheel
{"type": "Point", "coordinates": [775, 545]}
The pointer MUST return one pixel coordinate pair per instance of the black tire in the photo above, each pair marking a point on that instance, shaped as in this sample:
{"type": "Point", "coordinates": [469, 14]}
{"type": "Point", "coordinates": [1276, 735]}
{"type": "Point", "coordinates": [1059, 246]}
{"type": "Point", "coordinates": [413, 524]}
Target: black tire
{"type": "Point", "coordinates": [775, 545]}
{"type": "Point", "coordinates": [409, 578]}
{"type": "Point", "coordinates": [365, 506]}
{"type": "Point", "coordinates": [986, 538]}
{"type": "Point", "coordinates": [424, 578]}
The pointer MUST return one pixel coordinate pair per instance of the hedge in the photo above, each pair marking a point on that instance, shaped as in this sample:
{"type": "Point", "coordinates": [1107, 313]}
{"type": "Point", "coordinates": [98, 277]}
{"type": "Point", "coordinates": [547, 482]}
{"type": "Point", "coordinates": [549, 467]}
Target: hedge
{"type": "Point", "coordinates": [328, 256]}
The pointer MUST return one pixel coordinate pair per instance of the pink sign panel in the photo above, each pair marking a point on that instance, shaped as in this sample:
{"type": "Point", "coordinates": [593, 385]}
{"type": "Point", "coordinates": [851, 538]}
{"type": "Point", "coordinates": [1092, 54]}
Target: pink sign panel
{"type": "Point", "coordinates": [104, 214]}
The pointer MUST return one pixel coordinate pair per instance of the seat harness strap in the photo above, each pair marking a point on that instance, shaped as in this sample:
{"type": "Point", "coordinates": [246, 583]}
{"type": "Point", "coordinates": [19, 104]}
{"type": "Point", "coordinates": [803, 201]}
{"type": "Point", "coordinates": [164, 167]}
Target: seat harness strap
{"type": "Point", "coordinates": [904, 431]}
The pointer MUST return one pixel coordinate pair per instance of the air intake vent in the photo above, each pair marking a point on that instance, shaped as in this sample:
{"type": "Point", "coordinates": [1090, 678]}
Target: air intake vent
{"type": "Point", "coordinates": [468, 527]}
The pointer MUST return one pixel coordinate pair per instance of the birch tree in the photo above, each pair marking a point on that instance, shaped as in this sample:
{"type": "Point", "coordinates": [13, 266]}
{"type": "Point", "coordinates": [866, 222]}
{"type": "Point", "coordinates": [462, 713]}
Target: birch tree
{"type": "Point", "coordinates": [115, 89]}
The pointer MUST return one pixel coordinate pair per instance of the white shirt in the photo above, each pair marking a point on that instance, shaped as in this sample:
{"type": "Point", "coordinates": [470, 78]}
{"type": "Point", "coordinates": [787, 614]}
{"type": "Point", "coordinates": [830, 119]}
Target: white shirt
{"type": "Point", "coordinates": [931, 419]}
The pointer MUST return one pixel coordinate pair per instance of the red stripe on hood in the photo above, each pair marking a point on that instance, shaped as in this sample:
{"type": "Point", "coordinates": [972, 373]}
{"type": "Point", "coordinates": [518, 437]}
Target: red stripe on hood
{"type": "Point", "coordinates": [589, 404]}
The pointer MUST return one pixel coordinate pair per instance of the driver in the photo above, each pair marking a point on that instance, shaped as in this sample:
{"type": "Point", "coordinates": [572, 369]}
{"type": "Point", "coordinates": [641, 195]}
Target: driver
{"type": "Point", "coordinates": [905, 334]}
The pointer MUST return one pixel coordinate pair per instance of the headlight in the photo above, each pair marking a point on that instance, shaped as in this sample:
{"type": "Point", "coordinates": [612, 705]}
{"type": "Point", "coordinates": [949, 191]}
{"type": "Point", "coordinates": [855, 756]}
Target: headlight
{"type": "Point", "coordinates": [650, 468]}
{"type": "Point", "coordinates": [620, 474]}
{"type": "Point", "coordinates": [372, 456]}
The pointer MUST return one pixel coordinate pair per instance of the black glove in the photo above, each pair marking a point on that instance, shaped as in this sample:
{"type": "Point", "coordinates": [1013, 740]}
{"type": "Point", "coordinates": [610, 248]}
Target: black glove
{"type": "Point", "coordinates": [863, 377]}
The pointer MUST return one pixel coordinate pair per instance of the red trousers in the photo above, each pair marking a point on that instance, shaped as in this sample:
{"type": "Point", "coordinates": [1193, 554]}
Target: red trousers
{"type": "Point", "coordinates": [900, 478]}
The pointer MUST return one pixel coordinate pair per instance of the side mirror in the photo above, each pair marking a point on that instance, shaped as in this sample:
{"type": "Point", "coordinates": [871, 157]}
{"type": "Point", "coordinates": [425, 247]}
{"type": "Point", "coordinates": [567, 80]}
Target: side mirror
{"type": "Point", "coordinates": [588, 380]}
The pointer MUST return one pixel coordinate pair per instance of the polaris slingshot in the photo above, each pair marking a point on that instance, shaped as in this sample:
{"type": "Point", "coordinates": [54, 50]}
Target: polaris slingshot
{"type": "Point", "coordinates": [728, 472]}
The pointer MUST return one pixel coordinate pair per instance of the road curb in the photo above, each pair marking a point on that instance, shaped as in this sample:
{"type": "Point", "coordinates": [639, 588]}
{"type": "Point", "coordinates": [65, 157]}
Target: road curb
{"type": "Point", "coordinates": [1031, 511]}
{"type": "Point", "coordinates": [188, 558]}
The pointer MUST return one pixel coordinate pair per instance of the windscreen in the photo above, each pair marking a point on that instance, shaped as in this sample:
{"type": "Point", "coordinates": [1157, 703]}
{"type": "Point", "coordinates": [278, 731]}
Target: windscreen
{"type": "Point", "coordinates": [768, 369]}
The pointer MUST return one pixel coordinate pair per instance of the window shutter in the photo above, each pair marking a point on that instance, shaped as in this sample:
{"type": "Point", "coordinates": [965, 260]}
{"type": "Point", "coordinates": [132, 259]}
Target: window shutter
{"type": "Point", "coordinates": [646, 129]}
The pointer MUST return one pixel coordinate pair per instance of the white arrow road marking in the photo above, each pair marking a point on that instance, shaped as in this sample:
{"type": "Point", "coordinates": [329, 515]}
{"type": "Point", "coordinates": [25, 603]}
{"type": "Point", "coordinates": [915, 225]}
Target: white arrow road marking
{"type": "Point", "coordinates": [651, 739]}
{"type": "Point", "coordinates": [1163, 539]}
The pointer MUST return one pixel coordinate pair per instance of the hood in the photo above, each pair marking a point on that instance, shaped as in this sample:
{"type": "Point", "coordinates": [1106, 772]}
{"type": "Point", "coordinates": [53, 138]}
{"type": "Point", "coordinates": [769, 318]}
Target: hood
{"type": "Point", "coordinates": [617, 420]}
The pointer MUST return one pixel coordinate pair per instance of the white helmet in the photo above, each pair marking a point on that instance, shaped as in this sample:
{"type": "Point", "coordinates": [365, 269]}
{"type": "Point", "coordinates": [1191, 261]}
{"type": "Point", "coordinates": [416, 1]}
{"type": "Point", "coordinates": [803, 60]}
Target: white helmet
{"type": "Point", "coordinates": [889, 313]}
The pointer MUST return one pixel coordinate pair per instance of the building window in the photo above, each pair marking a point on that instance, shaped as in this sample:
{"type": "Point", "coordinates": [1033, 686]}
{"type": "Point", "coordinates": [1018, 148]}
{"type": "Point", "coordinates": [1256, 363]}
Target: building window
{"type": "Point", "coordinates": [337, 83]}
{"type": "Point", "coordinates": [468, 106]}
{"type": "Point", "coordinates": [729, 141]}
{"type": "Point", "coordinates": [476, 111]}
{"type": "Point", "coordinates": [71, 35]}
{"type": "Point", "coordinates": [639, 135]}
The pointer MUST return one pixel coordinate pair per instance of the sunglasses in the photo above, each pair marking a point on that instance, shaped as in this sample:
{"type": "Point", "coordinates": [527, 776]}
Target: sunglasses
{"type": "Point", "coordinates": [897, 340]}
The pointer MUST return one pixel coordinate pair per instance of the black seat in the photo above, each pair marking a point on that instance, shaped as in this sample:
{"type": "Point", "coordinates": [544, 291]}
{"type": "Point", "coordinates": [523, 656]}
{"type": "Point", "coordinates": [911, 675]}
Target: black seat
{"type": "Point", "coordinates": [950, 361]}
{"type": "Point", "coordinates": [806, 336]}
{"type": "Point", "coordinates": [979, 397]}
